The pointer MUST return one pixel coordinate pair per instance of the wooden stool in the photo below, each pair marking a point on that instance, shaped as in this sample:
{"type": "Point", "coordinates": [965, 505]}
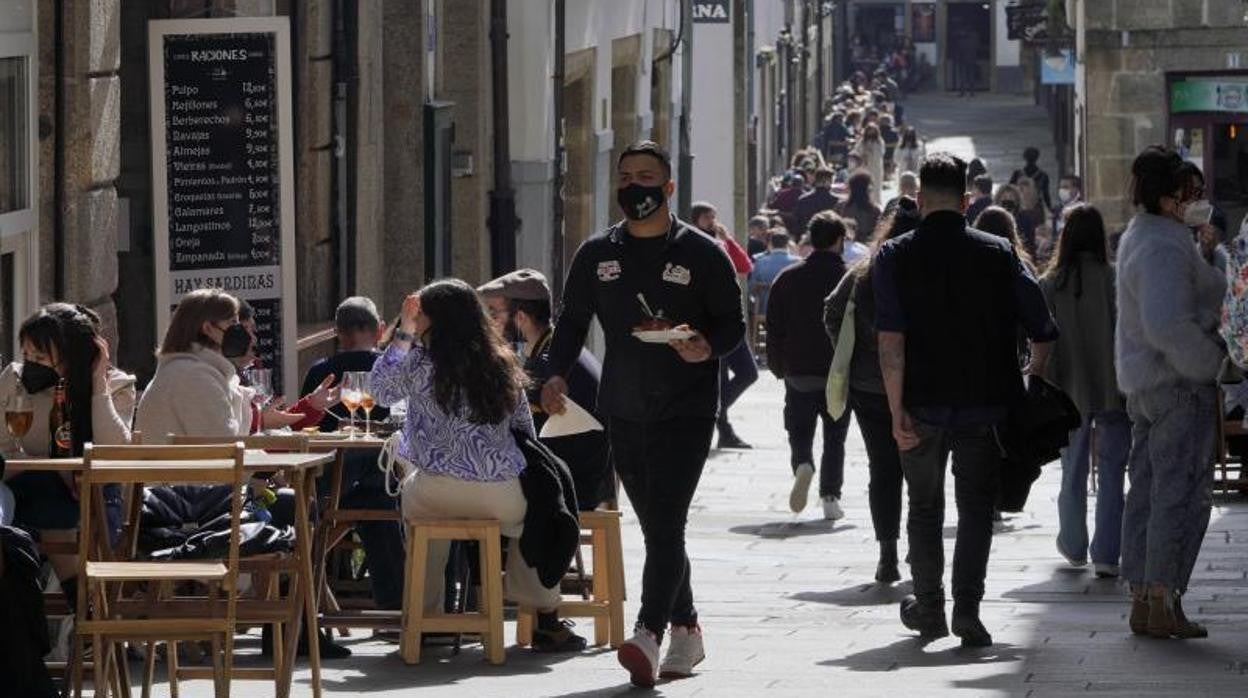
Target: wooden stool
{"type": "Point", "coordinates": [489, 625]}
{"type": "Point", "coordinates": [606, 605]}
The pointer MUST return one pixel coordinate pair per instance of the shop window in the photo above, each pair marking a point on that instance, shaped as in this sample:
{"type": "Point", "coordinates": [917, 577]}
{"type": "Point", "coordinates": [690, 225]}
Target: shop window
{"type": "Point", "coordinates": [14, 135]}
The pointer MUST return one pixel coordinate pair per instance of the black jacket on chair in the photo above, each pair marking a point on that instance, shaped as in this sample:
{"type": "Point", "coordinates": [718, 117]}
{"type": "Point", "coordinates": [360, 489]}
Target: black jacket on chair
{"type": "Point", "coordinates": [552, 531]}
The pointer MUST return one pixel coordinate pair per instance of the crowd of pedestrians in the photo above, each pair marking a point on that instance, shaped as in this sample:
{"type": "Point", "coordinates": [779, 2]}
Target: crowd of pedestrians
{"type": "Point", "coordinates": [927, 321]}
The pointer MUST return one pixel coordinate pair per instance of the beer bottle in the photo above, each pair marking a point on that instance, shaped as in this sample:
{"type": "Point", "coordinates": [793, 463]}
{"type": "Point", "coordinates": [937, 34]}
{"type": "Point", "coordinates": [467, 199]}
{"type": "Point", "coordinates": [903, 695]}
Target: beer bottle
{"type": "Point", "coordinates": [59, 429]}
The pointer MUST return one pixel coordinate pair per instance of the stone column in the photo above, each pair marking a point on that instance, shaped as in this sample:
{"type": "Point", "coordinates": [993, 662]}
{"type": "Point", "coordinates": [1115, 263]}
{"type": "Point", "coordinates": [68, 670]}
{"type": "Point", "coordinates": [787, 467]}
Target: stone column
{"type": "Point", "coordinates": [464, 78]}
{"type": "Point", "coordinates": [401, 227]}
{"type": "Point", "coordinates": [89, 142]}
{"type": "Point", "coordinates": [313, 69]}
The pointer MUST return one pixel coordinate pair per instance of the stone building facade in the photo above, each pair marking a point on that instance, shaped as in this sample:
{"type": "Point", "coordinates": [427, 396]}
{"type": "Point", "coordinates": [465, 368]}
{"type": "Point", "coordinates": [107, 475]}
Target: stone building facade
{"type": "Point", "coordinates": [394, 145]}
{"type": "Point", "coordinates": [1131, 54]}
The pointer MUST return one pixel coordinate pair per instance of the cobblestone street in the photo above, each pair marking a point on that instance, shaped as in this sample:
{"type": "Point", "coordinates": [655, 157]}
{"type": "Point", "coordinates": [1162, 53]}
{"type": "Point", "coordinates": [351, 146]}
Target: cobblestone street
{"type": "Point", "coordinates": [787, 601]}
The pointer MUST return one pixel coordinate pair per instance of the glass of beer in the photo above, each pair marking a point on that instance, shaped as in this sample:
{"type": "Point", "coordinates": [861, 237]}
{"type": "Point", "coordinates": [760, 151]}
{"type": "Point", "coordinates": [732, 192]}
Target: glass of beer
{"type": "Point", "coordinates": [19, 415]}
{"type": "Point", "coordinates": [351, 394]}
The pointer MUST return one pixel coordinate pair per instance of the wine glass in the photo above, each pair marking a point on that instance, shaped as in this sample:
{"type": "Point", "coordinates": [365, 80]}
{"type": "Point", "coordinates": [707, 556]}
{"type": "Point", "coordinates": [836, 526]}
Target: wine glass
{"type": "Point", "coordinates": [19, 415]}
{"type": "Point", "coordinates": [350, 396]}
{"type": "Point", "coordinates": [364, 384]}
{"type": "Point", "coordinates": [261, 380]}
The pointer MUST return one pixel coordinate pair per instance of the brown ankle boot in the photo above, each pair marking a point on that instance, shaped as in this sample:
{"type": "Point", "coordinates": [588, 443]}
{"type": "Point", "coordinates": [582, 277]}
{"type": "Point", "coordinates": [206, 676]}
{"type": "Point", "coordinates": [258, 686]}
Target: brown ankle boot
{"type": "Point", "coordinates": [1138, 619]}
{"type": "Point", "coordinates": [1185, 629]}
{"type": "Point", "coordinates": [1161, 622]}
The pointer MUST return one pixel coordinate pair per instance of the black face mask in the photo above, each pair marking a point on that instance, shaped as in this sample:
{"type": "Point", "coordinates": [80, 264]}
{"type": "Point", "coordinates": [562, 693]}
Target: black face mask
{"type": "Point", "coordinates": [638, 201]}
{"type": "Point", "coordinates": [235, 342]}
{"type": "Point", "coordinates": [37, 378]}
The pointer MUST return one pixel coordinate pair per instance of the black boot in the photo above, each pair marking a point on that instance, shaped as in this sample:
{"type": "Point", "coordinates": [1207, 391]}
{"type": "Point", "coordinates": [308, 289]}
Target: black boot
{"type": "Point", "coordinates": [966, 625]}
{"type": "Point", "coordinates": [928, 620]}
{"type": "Point", "coordinates": [886, 571]}
{"type": "Point", "coordinates": [329, 649]}
{"type": "Point", "coordinates": [728, 437]}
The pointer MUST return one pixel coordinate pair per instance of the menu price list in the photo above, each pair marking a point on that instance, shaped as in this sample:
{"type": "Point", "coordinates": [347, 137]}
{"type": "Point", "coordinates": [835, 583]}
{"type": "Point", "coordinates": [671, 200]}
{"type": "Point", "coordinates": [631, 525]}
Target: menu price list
{"type": "Point", "coordinates": [222, 150]}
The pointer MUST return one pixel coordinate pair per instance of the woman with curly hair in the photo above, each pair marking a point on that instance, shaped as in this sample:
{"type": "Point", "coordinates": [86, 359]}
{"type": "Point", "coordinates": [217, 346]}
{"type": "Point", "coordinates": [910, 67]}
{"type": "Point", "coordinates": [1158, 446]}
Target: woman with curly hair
{"type": "Point", "coordinates": [465, 396]}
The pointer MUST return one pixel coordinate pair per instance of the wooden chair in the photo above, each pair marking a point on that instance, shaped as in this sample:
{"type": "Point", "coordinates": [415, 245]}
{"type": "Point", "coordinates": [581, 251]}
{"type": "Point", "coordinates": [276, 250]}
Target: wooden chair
{"type": "Point", "coordinates": [487, 624]}
{"type": "Point", "coordinates": [100, 615]}
{"type": "Point", "coordinates": [601, 530]}
{"type": "Point", "coordinates": [1224, 462]}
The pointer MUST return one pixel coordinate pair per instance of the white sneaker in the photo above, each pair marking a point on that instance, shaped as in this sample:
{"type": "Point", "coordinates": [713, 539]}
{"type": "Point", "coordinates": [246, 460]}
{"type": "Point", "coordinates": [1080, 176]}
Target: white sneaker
{"type": "Point", "coordinates": [801, 487]}
{"type": "Point", "coordinates": [640, 655]}
{"type": "Point", "coordinates": [1105, 570]}
{"type": "Point", "coordinates": [684, 652]}
{"type": "Point", "coordinates": [832, 509]}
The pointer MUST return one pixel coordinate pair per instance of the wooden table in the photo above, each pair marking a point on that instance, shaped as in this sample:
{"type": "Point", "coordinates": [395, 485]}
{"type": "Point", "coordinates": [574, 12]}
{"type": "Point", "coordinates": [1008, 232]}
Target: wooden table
{"type": "Point", "coordinates": [302, 470]}
{"type": "Point", "coordinates": [335, 523]}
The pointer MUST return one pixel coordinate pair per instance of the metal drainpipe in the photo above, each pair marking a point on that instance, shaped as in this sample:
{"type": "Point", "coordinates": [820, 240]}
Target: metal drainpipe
{"type": "Point", "coordinates": [339, 200]}
{"type": "Point", "coordinates": [502, 222]}
{"type": "Point", "coordinates": [58, 155]}
{"type": "Point", "coordinates": [684, 176]}
{"type": "Point", "coordinates": [556, 200]}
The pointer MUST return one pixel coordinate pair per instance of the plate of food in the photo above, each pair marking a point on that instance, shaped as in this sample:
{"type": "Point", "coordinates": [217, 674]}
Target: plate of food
{"type": "Point", "coordinates": [660, 330]}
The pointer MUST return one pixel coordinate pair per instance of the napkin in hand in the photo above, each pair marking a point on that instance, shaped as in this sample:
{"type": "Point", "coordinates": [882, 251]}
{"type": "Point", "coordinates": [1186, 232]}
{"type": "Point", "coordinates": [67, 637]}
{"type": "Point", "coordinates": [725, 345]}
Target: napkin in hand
{"type": "Point", "coordinates": [574, 420]}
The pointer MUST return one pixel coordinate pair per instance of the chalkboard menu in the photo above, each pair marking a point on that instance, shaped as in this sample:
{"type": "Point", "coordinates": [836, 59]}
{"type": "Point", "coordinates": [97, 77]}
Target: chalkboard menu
{"type": "Point", "coordinates": [218, 150]}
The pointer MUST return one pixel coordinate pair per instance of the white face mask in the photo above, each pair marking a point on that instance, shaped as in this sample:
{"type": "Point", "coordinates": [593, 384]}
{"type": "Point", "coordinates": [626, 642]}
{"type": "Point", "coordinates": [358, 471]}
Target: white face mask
{"type": "Point", "coordinates": [1198, 213]}
{"type": "Point", "coordinates": [1066, 195]}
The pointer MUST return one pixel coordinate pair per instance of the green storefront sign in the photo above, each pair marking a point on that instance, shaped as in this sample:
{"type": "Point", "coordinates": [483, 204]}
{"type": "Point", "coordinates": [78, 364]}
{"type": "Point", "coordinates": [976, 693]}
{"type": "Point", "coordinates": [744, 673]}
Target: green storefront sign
{"type": "Point", "coordinates": [1209, 95]}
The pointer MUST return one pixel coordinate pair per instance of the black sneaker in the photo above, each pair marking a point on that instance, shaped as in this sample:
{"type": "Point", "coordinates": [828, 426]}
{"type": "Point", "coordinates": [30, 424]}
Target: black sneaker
{"type": "Point", "coordinates": [560, 639]}
{"type": "Point", "coordinates": [928, 621]}
{"type": "Point", "coordinates": [886, 572]}
{"type": "Point", "coordinates": [728, 439]}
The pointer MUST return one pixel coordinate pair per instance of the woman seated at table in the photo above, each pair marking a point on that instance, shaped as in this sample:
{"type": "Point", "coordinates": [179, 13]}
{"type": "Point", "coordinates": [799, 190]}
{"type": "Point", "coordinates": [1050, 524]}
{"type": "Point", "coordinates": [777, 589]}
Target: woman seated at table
{"type": "Point", "coordinates": [465, 394]}
{"type": "Point", "coordinates": [196, 390]}
{"type": "Point", "coordinates": [61, 344]}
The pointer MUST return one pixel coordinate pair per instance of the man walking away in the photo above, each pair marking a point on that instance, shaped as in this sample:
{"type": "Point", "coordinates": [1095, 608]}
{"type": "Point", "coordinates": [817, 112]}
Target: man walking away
{"type": "Point", "coordinates": [519, 308]}
{"type": "Point", "coordinates": [737, 370]}
{"type": "Point", "coordinates": [1031, 168]}
{"type": "Point", "coordinates": [768, 266]}
{"type": "Point", "coordinates": [820, 198]}
{"type": "Point", "coordinates": [660, 400]}
{"type": "Point", "coordinates": [949, 301]}
{"type": "Point", "coordinates": [800, 353]}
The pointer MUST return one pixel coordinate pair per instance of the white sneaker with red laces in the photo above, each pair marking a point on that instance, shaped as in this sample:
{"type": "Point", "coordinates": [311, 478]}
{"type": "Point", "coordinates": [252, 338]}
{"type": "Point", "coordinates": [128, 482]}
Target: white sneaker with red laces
{"type": "Point", "coordinates": [640, 655]}
{"type": "Point", "coordinates": [684, 652]}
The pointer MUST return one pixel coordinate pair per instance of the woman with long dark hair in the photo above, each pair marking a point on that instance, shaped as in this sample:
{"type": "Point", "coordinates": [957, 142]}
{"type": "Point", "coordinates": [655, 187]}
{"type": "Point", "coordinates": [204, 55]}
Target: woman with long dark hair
{"type": "Point", "coordinates": [1168, 356]}
{"type": "Point", "coordinates": [1000, 222]}
{"type": "Point", "coordinates": [859, 205]}
{"type": "Point", "coordinates": [1079, 286]}
{"type": "Point", "coordinates": [465, 396]}
{"type": "Point", "coordinates": [62, 348]}
{"type": "Point", "coordinates": [866, 390]}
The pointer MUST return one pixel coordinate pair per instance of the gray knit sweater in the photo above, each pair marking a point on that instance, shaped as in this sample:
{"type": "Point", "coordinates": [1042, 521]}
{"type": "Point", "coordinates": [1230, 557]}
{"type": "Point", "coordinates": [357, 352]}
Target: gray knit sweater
{"type": "Point", "coordinates": [1169, 305]}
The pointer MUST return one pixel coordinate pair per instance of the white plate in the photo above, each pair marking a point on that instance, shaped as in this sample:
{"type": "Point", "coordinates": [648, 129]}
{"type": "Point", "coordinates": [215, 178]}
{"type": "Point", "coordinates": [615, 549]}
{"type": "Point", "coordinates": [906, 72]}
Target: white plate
{"type": "Point", "coordinates": [662, 336]}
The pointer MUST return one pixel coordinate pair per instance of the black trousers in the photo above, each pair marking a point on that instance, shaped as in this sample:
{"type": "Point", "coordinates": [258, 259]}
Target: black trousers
{"type": "Point", "coordinates": [884, 491]}
{"type": "Point", "coordinates": [802, 413]}
{"type": "Point", "coordinates": [976, 466]}
{"type": "Point", "coordinates": [659, 464]}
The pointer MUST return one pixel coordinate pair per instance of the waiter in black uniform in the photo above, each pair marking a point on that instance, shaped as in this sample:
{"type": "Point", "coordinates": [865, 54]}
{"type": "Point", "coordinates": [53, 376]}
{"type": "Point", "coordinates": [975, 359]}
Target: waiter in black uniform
{"type": "Point", "coordinates": [660, 399]}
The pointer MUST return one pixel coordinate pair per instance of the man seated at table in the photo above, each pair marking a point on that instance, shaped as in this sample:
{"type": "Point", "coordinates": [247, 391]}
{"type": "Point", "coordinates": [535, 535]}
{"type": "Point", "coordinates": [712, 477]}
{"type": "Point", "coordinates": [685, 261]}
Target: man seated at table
{"type": "Point", "coordinates": [519, 307]}
{"type": "Point", "coordinates": [359, 328]}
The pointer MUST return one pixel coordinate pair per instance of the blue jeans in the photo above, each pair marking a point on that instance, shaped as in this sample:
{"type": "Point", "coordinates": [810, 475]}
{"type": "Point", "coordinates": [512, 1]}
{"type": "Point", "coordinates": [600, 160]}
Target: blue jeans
{"type": "Point", "coordinates": [740, 362]}
{"type": "Point", "coordinates": [1113, 445]}
{"type": "Point", "coordinates": [1167, 512]}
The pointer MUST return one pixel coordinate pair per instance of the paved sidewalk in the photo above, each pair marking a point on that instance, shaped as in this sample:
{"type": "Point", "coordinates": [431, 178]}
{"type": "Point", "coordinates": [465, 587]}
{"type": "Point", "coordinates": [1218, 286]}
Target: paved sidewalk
{"type": "Point", "coordinates": [788, 604]}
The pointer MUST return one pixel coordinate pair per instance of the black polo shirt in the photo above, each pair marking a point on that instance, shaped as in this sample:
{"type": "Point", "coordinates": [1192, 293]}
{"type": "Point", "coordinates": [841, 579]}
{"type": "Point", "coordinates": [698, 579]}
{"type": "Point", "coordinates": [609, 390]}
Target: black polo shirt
{"type": "Point", "coordinates": [685, 275]}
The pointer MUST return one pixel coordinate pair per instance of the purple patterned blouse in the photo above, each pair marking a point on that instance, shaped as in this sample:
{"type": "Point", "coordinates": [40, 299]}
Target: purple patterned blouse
{"type": "Point", "coordinates": [440, 443]}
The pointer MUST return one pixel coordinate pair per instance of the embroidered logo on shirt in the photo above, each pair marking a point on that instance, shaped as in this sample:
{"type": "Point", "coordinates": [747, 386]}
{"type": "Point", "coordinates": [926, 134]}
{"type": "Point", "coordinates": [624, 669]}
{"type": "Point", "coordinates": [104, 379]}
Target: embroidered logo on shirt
{"type": "Point", "coordinates": [608, 271]}
{"type": "Point", "coordinates": [676, 274]}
